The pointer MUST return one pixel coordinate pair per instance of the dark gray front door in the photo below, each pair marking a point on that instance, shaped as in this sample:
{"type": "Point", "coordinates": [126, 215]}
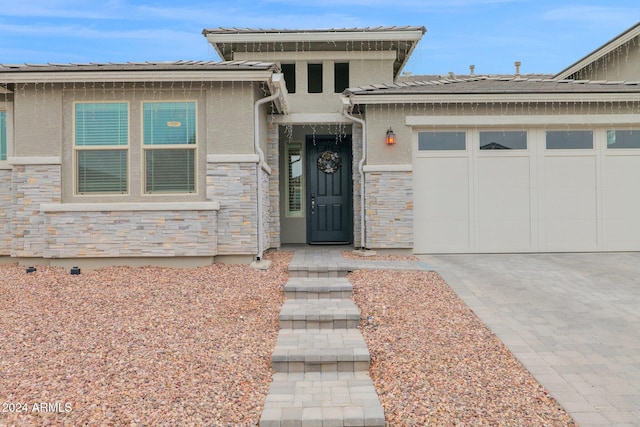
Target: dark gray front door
{"type": "Point", "coordinates": [330, 215]}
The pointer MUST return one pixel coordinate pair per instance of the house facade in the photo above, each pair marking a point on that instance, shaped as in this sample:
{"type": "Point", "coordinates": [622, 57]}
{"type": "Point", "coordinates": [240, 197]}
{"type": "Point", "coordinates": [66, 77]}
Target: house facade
{"type": "Point", "coordinates": [314, 137]}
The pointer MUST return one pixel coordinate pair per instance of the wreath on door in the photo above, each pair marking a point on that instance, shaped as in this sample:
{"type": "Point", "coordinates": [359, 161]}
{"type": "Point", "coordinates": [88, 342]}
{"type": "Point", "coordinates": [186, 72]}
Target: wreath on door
{"type": "Point", "coordinates": [329, 162]}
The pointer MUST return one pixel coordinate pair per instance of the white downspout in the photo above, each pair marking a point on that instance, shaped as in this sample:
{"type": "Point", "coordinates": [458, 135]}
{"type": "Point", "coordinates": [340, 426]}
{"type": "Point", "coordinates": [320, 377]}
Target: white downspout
{"type": "Point", "coordinates": [261, 162]}
{"type": "Point", "coordinates": [345, 102]}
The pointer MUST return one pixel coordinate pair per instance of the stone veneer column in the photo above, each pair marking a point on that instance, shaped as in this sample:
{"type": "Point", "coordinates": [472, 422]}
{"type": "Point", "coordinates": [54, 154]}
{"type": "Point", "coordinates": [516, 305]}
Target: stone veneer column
{"type": "Point", "coordinates": [389, 206]}
{"type": "Point", "coordinates": [5, 212]}
{"type": "Point", "coordinates": [34, 181]}
{"type": "Point", "coordinates": [232, 181]}
{"type": "Point", "coordinates": [273, 160]}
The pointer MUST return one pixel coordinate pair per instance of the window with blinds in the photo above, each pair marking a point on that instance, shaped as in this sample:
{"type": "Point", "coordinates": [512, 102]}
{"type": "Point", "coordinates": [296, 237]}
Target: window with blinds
{"type": "Point", "coordinates": [101, 147]}
{"type": "Point", "coordinates": [169, 144]}
{"type": "Point", "coordinates": [3, 135]}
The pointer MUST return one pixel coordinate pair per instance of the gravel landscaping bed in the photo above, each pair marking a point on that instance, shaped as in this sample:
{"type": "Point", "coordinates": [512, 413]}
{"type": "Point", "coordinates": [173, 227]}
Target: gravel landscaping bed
{"type": "Point", "coordinates": [435, 363]}
{"type": "Point", "coordinates": [138, 346]}
{"type": "Point", "coordinates": [166, 347]}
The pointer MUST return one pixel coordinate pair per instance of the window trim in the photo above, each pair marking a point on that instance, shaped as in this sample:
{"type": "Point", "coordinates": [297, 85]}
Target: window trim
{"type": "Point", "coordinates": [150, 147]}
{"type": "Point", "coordinates": [78, 148]}
{"type": "Point", "coordinates": [570, 149]}
{"type": "Point", "coordinates": [294, 214]}
{"type": "Point", "coordinates": [454, 151]}
{"type": "Point", "coordinates": [617, 149]}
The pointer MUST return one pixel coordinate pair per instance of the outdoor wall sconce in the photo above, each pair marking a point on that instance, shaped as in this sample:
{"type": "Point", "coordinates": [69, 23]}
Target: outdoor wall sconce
{"type": "Point", "coordinates": [391, 137]}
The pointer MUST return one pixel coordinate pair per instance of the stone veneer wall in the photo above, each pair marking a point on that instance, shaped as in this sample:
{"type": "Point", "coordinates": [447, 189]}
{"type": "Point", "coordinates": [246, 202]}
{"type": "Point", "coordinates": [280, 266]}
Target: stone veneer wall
{"type": "Point", "coordinates": [5, 212]}
{"type": "Point", "coordinates": [389, 209]}
{"type": "Point", "coordinates": [273, 159]}
{"type": "Point", "coordinates": [234, 185]}
{"type": "Point", "coordinates": [31, 186]}
{"type": "Point", "coordinates": [128, 233]}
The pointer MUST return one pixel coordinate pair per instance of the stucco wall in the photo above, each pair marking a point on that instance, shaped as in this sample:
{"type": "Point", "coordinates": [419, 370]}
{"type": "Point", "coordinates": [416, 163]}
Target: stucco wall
{"type": "Point", "coordinates": [622, 63]}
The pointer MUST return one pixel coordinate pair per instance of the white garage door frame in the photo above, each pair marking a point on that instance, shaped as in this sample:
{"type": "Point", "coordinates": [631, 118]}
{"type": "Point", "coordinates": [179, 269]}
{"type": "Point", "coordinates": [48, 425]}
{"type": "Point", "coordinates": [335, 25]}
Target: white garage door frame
{"type": "Point", "coordinates": [533, 200]}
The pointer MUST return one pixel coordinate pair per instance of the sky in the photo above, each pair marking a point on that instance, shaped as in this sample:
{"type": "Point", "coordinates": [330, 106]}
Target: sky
{"type": "Point", "coordinates": [546, 36]}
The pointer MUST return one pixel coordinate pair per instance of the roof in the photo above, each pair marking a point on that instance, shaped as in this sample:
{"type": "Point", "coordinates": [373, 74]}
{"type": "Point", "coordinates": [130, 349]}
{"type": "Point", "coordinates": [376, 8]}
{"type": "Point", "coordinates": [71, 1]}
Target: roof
{"type": "Point", "coordinates": [600, 52]}
{"type": "Point", "coordinates": [221, 30]}
{"type": "Point", "coordinates": [140, 66]}
{"type": "Point", "coordinates": [402, 40]}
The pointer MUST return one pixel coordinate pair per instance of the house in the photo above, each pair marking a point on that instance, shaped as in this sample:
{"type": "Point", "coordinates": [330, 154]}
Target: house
{"type": "Point", "coordinates": [314, 137]}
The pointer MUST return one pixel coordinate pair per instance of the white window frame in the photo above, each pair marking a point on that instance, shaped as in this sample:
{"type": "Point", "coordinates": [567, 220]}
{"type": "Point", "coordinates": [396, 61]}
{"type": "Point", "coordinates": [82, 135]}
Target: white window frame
{"type": "Point", "coordinates": [148, 147]}
{"type": "Point", "coordinates": [300, 148]}
{"type": "Point", "coordinates": [77, 149]}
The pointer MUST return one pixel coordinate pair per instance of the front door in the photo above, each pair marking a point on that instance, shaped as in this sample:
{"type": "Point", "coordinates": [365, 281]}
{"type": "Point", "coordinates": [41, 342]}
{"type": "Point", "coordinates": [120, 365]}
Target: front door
{"type": "Point", "coordinates": [330, 215]}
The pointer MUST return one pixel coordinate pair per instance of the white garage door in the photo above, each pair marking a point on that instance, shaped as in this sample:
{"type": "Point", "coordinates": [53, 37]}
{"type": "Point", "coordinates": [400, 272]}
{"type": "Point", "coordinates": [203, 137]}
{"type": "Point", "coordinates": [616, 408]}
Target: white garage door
{"type": "Point", "coordinates": [533, 190]}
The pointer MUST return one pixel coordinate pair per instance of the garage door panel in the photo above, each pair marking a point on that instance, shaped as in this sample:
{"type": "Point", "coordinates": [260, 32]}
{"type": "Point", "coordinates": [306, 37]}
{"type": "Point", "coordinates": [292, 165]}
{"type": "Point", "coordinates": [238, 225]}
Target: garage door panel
{"type": "Point", "coordinates": [570, 235]}
{"type": "Point", "coordinates": [504, 236]}
{"type": "Point", "coordinates": [442, 205]}
{"type": "Point", "coordinates": [621, 207]}
{"type": "Point", "coordinates": [504, 204]}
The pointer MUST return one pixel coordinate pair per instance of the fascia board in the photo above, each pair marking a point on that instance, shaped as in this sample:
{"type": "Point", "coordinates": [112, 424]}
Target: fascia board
{"type": "Point", "coordinates": [328, 36]}
{"type": "Point", "coordinates": [483, 98]}
{"type": "Point", "coordinates": [134, 76]}
{"type": "Point", "coordinates": [522, 120]}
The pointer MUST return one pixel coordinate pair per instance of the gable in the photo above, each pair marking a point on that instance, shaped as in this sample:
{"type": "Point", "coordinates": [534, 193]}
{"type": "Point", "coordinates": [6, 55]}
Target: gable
{"type": "Point", "coordinates": [618, 59]}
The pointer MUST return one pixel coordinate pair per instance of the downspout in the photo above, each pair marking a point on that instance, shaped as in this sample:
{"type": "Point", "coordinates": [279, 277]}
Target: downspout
{"type": "Point", "coordinates": [261, 162]}
{"type": "Point", "coordinates": [345, 104]}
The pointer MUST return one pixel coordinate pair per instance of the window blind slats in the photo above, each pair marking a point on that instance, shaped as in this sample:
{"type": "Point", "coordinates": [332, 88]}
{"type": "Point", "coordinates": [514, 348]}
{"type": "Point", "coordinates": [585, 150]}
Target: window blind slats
{"type": "Point", "coordinates": [169, 123]}
{"type": "Point", "coordinates": [170, 171]}
{"type": "Point", "coordinates": [102, 124]}
{"type": "Point", "coordinates": [102, 171]}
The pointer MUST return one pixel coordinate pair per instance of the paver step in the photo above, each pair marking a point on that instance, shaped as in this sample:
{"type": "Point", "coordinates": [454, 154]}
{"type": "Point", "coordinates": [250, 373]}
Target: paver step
{"type": "Point", "coordinates": [322, 399]}
{"type": "Point", "coordinates": [321, 350]}
{"type": "Point", "coordinates": [319, 314]}
{"type": "Point", "coordinates": [318, 271]}
{"type": "Point", "coordinates": [318, 288]}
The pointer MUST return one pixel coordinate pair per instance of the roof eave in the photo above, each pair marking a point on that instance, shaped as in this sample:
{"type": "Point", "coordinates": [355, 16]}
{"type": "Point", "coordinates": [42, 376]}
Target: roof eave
{"type": "Point", "coordinates": [134, 76]}
{"type": "Point", "coordinates": [377, 99]}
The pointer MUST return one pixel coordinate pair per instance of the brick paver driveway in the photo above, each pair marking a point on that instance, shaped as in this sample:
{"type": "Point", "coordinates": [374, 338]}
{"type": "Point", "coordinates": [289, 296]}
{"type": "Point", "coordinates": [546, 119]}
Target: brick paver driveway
{"type": "Point", "coordinates": [573, 320]}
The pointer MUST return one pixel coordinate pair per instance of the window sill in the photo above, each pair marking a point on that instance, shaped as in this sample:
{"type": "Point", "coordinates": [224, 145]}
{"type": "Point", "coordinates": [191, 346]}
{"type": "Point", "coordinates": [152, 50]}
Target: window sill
{"type": "Point", "coordinates": [123, 207]}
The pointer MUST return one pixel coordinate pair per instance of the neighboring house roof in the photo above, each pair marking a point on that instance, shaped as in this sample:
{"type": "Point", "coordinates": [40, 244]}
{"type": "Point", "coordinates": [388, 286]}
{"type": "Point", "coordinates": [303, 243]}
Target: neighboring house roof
{"type": "Point", "coordinates": [600, 52]}
{"type": "Point", "coordinates": [403, 39]}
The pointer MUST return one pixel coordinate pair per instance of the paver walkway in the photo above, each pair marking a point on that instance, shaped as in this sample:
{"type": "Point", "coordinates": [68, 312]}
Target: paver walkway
{"type": "Point", "coordinates": [573, 320]}
{"type": "Point", "coordinates": [321, 360]}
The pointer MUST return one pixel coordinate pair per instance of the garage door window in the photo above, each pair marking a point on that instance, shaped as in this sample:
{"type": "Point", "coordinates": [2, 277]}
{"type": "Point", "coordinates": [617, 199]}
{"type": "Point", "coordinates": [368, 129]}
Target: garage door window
{"type": "Point", "coordinates": [570, 140]}
{"type": "Point", "coordinates": [436, 141]}
{"type": "Point", "coordinates": [512, 140]}
{"type": "Point", "coordinates": [623, 138]}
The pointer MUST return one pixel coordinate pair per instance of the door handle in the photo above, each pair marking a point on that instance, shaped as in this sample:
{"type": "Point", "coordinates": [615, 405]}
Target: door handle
{"type": "Point", "coordinates": [313, 204]}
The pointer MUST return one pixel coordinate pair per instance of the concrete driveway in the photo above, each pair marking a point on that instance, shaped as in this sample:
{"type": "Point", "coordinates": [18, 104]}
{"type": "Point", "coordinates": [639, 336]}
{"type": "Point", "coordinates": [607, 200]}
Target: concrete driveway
{"type": "Point", "coordinates": [573, 320]}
